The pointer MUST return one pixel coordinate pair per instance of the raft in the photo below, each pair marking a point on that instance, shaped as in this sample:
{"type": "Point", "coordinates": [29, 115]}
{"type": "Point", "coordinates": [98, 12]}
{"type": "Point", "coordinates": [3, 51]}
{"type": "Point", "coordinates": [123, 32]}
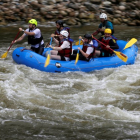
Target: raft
{"type": "Point", "coordinates": [36, 61]}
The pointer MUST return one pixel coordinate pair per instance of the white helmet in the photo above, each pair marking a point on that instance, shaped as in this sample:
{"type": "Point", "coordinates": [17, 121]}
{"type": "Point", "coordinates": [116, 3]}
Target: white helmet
{"type": "Point", "coordinates": [64, 33]}
{"type": "Point", "coordinates": [103, 15]}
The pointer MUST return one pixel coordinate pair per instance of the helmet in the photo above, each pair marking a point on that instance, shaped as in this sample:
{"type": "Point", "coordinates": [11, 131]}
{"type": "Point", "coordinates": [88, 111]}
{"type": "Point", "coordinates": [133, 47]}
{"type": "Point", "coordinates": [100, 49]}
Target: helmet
{"type": "Point", "coordinates": [33, 21]}
{"type": "Point", "coordinates": [60, 22]}
{"type": "Point", "coordinates": [88, 36]}
{"type": "Point", "coordinates": [108, 31]}
{"type": "Point", "coordinates": [64, 33]}
{"type": "Point", "coordinates": [104, 16]}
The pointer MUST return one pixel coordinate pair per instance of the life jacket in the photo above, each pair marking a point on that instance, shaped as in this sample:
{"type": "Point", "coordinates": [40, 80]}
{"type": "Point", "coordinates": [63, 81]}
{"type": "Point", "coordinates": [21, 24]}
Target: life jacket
{"type": "Point", "coordinates": [57, 32]}
{"type": "Point", "coordinates": [67, 51]}
{"type": "Point", "coordinates": [32, 40]}
{"type": "Point", "coordinates": [106, 42]}
{"type": "Point", "coordinates": [85, 46]}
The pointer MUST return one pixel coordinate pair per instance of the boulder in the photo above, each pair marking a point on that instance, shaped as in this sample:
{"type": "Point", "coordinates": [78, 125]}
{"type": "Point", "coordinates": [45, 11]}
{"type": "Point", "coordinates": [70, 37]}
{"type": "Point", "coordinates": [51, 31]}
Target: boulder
{"type": "Point", "coordinates": [71, 21]}
{"type": "Point", "coordinates": [116, 21]}
{"type": "Point", "coordinates": [122, 8]}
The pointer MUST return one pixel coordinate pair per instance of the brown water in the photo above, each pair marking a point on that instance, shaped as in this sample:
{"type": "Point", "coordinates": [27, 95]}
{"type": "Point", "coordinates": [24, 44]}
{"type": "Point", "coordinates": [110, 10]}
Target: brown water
{"type": "Point", "coordinates": [68, 106]}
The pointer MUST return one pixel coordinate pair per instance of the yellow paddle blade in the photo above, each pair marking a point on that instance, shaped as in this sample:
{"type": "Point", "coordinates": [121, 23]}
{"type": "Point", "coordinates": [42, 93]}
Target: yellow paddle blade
{"type": "Point", "coordinates": [130, 43]}
{"type": "Point", "coordinates": [4, 55]}
{"type": "Point", "coordinates": [47, 61]}
{"type": "Point", "coordinates": [77, 43]}
{"type": "Point", "coordinates": [121, 56]}
{"type": "Point", "coordinates": [77, 58]}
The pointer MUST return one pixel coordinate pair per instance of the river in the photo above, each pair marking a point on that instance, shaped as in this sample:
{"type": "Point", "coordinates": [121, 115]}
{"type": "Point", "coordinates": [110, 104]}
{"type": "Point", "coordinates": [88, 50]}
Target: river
{"type": "Point", "coordinates": [36, 105]}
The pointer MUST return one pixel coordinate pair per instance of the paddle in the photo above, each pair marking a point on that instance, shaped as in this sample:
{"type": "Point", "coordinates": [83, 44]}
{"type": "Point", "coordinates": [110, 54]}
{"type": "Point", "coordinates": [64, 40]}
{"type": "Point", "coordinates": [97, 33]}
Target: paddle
{"type": "Point", "coordinates": [5, 54]}
{"type": "Point", "coordinates": [130, 43]}
{"type": "Point", "coordinates": [48, 57]}
{"type": "Point", "coordinates": [77, 43]}
{"type": "Point", "coordinates": [119, 54]}
{"type": "Point", "coordinates": [77, 57]}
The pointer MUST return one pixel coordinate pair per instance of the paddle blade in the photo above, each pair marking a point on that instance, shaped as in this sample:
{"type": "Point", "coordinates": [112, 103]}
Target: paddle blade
{"type": "Point", "coordinates": [121, 56]}
{"type": "Point", "coordinates": [4, 55]}
{"type": "Point", "coordinates": [77, 58]}
{"type": "Point", "coordinates": [77, 43]}
{"type": "Point", "coordinates": [47, 61]}
{"type": "Point", "coordinates": [130, 43]}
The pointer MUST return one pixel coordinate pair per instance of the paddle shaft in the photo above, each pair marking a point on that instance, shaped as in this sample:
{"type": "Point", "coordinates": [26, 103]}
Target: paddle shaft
{"type": "Point", "coordinates": [13, 40]}
{"type": "Point", "coordinates": [109, 48]}
{"type": "Point", "coordinates": [79, 45]}
{"type": "Point", "coordinates": [102, 43]}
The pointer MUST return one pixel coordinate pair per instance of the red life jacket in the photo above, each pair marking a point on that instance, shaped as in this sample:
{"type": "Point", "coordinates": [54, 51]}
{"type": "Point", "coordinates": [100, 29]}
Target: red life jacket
{"type": "Point", "coordinates": [67, 51]}
{"type": "Point", "coordinates": [85, 46]}
{"type": "Point", "coordinates": [106, 42]}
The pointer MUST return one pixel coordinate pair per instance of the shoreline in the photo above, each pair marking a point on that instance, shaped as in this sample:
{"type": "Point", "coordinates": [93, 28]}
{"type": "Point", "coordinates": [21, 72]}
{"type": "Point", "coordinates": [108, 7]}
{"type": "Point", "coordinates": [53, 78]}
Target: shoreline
{"type": "Point", "coordinates": [73, 12]}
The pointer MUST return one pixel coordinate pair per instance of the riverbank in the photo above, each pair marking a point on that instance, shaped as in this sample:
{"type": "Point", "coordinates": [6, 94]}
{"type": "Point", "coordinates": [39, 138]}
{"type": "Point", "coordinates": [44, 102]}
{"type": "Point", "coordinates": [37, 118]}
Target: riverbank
{"type": "Point", "coordinates": [73, 12]}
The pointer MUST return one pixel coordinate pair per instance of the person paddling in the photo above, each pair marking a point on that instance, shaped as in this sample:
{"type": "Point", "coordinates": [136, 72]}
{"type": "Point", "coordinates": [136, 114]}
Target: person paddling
{"type": "Point", "coordinates": [60, 27]}
{"type": "Point", "coordinates": [109, 42]}
{"type": "Point", "coordinates": [103, 25]}
{"type": "Point", "coordinates": [63, 49]}
{"type": "Point", "coordinates": [88, 50]}
{"type": "Point", "coordinates": [35, 37]}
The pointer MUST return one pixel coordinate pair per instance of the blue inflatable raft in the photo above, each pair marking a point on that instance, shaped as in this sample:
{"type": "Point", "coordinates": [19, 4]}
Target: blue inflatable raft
{"type": "Point", "coordinates": [34, 60]}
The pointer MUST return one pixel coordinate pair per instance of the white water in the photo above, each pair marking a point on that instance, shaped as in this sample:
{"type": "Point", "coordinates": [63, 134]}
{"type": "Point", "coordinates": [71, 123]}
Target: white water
{"type": "Point", "coordinates": [99, 105]}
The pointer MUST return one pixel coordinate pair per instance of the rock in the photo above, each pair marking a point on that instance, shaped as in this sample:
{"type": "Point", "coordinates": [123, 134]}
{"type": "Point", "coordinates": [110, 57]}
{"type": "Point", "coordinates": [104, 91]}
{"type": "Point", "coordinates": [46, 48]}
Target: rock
{"type": "Point", "coordinates": [72, 14]}
{"type": "Point", "coordinates": [122, 8]}
{"type": "Point", "coordinates": [48, 16]}
{"type": "Point", "coordinates": [125, 20]}
{"type": "Point", "coordinates": [91, 16]}
{"type": "Point", "coordinates": [122, 3]}
{"type": "Point", "coordinates": [51, 2]}
{"type": "Point", "coordinates": [83, 15]}
{"type": "Point", "coordinates": [96, 1]}
{"type": "Point", "coordinates": [2, 22]}
{"type": "Point", "coordinates": [116, 21]}
{"type": "Point", "coordinates": [117, 15]}
{"type": "Point", "coordinates": [132, 14]}
{"type": "Point", "coordinates": [118, 12]}
{"type": "Point", "coordinates": [85, 21]}
{"type": "Point", "coordinates": [63, 13]}
{"type": "Point", "coordinates": [73, 6]}
{"type": "Point", "coordinates": [36, 5]}
{"type": "Point", "coordinates": [46, 8]}
{"type": "Point", "coordinates": [138, 22]}
{"type": "Point", "coordinates": [91, 7]}
{"type": "Point", "coordinates": [71, 21]}
{"type": "Point", "coordinates": [133, 23]}
{"type": "Point", "coordinates": [58, 1]}
{"type": "Point", "coordinates": [107, 3]}
{"type": "Point", "coordinates": [109, 10]}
